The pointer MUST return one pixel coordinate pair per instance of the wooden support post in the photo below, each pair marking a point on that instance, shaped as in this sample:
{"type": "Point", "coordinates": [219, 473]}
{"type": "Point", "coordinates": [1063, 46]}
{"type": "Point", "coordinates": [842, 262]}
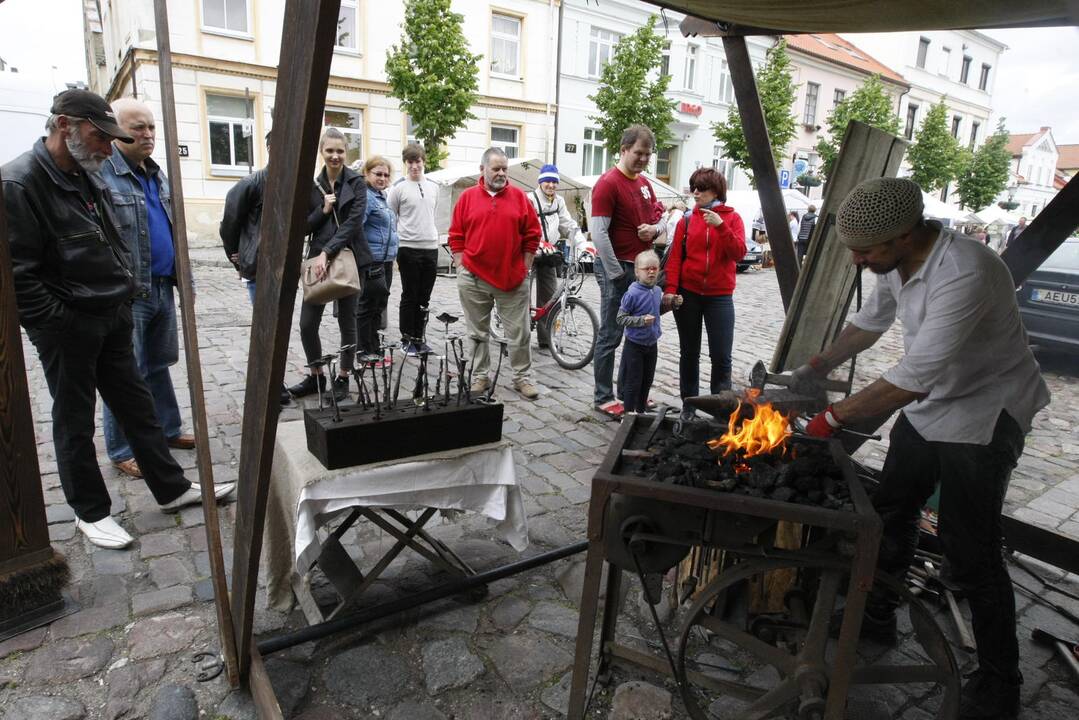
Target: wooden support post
{"type": "Point", "coordinates": [191, 345]}
{"type": "Point", "coordinates": [1046, 232]}
{"type": "Point", "coordinates": [764, 166]}
{"type": "Point", "coordinates": [27, 559]}
{"type": "Point", "coordinates": [303, 73]}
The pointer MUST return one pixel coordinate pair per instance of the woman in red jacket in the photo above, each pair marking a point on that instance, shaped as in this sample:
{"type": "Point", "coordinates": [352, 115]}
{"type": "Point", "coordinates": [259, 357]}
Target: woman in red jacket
{"type": "Point", "coordinates": [701, 268]}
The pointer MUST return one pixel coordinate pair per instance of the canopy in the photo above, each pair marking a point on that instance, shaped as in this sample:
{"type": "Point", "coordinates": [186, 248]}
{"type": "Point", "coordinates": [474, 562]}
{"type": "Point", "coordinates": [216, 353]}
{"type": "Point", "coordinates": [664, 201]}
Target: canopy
{"type": "Point", "coordinates": [935, 208]}
{"type": "Point", "coordinates": [523, 172]}
{"type": "Point", "coordinates": [995, 215]}
{"type": "Point", "coordinates": [837, 16]}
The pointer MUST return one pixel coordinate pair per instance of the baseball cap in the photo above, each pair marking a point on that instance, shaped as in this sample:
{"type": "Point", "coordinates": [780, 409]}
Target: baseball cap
{"type": "Point", "coordinates": [84, 104]}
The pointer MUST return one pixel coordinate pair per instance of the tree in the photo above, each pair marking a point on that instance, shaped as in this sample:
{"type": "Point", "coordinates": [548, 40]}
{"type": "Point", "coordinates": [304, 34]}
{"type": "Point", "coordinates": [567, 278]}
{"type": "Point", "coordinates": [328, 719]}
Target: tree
{"type": "Point", "coordinates": [628, 92]}
{"type": "Point", "coordinates": [433, 74]}
{"type": "Point", "coordinates": [870, 104]}
{"type": "Point", "coordinates": [987, 173]}
{"type": "Point", "coordinates": [935, 156]}
{"type": "Point", "coordinates": [776, 90]}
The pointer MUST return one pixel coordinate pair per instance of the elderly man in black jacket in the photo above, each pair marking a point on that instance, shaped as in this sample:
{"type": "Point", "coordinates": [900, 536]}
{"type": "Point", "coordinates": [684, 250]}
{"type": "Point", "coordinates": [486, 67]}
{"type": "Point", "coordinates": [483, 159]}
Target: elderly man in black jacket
{"type": "Point", "coordinates": [73, 286]}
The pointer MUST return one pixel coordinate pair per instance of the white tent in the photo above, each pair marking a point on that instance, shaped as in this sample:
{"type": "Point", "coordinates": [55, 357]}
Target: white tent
{"type": "Point", "coordinates": [995, 215]}
{"type": "Point", "coordinates": [950, 215]}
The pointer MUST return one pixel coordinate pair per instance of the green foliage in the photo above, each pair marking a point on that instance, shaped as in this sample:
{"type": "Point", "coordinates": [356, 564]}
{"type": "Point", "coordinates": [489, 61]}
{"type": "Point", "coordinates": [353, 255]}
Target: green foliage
{"type": "Point", "coordinates": [629, 93]}
{"type": "Point", "coordinates": [935, 157]}
{"type": "Point", "coordinates": [986, 175]}
{"type": "Point", "coordinates": [808, 180]}
{"type": "Point", "coordinates": [776, 90]}
{"type": "Point", "coordinates": [870, 104]}
{"type": "Point", "coordinates": [433, 74]}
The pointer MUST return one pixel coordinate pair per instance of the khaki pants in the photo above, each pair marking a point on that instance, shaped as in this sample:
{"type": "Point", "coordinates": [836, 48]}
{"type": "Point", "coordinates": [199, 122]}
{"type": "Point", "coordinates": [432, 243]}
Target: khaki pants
{"type": "Point", "coordinates": [477, 299]}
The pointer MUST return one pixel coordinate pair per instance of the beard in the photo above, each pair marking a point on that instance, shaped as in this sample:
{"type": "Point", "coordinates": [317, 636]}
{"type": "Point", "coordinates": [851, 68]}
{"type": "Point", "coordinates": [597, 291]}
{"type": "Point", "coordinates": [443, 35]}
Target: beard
{"type": "Point", "coordinates": [87, 159]}
{"type": "Point", "coordinates": [497, 182]}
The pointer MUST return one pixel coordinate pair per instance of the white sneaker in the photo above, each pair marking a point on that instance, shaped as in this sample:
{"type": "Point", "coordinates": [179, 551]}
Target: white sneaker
{"type": "Point", "coordinates": [193, 496]}
{"type": "Point", "coordinates": [105, 533]}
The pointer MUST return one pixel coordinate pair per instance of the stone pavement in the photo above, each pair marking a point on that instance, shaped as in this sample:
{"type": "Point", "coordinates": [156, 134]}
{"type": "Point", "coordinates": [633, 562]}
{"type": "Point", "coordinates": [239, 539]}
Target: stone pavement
{"type": "Point", "coordinates": [145, 611]}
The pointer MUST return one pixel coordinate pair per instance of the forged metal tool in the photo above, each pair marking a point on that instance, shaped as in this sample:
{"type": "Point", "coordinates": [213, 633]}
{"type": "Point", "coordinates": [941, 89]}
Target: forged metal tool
{"type": "Point", "coordinates": [759, 377]}
{"type": "Point", "coordinates": [503, 352]}
{"type": "Point", "coordinates": [1068, 650]}
{"type": "Point", "coordinates": [314, 367]}
{"type": "Point", "coordinates": [657, 423]}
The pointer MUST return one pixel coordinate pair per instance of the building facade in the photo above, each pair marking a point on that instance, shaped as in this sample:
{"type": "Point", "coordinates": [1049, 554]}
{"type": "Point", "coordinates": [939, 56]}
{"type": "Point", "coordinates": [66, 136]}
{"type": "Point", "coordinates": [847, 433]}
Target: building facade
{"type": "Point", "coordinates": [1033, 171]}
{"type": "Point", "coordinates": [225, 55]}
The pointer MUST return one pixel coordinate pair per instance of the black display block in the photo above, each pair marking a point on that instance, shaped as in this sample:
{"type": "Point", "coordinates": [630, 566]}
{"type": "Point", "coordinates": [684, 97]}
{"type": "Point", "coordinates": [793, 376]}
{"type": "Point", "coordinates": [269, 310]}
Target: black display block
{"type": "Point", "coordinates": [401, 432]}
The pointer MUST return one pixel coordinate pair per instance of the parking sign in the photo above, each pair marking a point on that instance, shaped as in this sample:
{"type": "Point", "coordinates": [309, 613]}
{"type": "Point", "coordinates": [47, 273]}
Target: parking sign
{"type": "Point", "coordinates": [784, 179]}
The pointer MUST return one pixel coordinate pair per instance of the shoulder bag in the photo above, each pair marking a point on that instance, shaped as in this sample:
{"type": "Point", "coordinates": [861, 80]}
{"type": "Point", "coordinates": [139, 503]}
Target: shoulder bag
{"type": "Point", "coordinates": [342, 276]}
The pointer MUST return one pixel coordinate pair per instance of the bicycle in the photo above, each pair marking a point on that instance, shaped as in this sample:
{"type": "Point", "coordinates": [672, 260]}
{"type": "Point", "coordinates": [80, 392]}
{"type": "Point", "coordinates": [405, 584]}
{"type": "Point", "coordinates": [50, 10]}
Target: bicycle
{"type": "Point", "coordinates": [572, 325]}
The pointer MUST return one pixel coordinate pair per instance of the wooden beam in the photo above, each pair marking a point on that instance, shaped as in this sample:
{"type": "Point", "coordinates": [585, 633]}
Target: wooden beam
{"type": "Point", "coordinates": [310, 27]}
{"type": "Point", "coordinates": [191, 346]}
{"type": "Point", "coordinates": [1046, 232]}
{"type": "Point", "coordinates": [1045, 545]}
{"type": "Point", "coordinates": [764, 166]}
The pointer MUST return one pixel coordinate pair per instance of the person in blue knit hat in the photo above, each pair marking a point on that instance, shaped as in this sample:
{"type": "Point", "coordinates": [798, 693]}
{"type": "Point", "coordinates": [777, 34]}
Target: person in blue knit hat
{"type": "Point", "coordinates": [558, 226]}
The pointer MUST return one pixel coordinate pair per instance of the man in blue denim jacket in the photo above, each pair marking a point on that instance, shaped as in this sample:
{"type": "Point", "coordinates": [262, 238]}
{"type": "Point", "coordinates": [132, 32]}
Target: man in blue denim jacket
{"type": "Point", "coordinates": [141, 200]}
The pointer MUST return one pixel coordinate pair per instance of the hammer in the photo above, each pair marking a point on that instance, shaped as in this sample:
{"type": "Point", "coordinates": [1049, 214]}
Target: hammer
{"type": "Point", "coordinates": [759, 377]}
{"type": "Point", "coordinates": [1068, 650]}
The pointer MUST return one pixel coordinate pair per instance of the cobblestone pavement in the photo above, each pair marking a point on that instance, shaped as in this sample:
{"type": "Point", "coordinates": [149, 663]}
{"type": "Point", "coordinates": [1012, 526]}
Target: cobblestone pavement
{"type": "Point", "coordinates": [145, 611]}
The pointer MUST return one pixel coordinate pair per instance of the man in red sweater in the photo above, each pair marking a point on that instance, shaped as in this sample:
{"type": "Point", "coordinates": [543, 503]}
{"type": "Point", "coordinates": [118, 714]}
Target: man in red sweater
{"type": "Point", "coordinates": [493, 237]}
{"type": "Point", "coordinates": [624, 223]}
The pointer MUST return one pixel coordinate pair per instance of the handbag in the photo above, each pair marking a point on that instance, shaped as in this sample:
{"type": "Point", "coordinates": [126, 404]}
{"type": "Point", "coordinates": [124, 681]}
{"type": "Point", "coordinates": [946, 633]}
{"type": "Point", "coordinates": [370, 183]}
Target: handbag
{"type": "Point", "coordinates": [342, 277]}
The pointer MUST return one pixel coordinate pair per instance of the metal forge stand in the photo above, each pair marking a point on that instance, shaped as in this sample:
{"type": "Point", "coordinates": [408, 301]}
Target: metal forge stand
{"type": "Point", "coordinates": [646, 526]}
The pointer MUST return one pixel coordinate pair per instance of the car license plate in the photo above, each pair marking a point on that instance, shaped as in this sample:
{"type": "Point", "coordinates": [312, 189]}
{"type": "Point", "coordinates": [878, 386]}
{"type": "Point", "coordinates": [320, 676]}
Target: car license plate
{"type": "Point", "coordinates": [1055, 297]}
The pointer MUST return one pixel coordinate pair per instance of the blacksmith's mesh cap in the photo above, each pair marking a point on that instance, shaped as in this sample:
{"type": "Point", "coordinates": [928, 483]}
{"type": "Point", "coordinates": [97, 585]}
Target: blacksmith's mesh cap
{"type": "Point", "coordinates": [877, 211]}
{"type": "Point", "coordinates": [77, 103]}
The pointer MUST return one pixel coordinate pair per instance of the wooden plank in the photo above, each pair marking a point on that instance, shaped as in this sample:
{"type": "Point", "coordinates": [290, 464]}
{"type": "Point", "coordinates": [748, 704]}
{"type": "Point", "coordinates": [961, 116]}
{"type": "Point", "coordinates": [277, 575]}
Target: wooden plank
{"type": "Point", "coordinates": [1046, 232]}
{"type": "Point", "coordinates": [826, 284]}
{"type": "Point", "coordinates": [1045, 545]}
{"type": "Point", "coordinates": [764, 166]}
{"type": "Point", "coordinates": [308, 33]}
{"type": "Point", "coordinates": [23, 527]}
{"type": "Point", "coordinates": [262, 690]}
{"type": "Point", "coordinates": [191, 346]}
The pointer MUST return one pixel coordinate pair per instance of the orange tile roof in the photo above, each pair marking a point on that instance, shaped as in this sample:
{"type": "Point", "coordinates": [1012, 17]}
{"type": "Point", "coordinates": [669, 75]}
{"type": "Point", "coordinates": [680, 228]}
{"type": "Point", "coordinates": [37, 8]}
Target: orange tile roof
{"type": "Point", "coordinates": [1016, 143]}
{"type": "Point", "coordinates": [1069, 157]}
{"type": "Point", "coordinates": [833, 48]}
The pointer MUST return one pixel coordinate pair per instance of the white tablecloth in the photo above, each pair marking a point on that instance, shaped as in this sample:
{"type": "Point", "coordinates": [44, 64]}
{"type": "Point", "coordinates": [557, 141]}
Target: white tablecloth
{"type": "Point", "coordinates": [304, 495]}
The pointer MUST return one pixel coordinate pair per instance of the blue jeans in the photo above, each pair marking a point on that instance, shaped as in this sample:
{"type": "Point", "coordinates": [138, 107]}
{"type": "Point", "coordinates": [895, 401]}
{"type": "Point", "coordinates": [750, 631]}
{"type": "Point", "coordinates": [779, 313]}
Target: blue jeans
{"type": "Point", "coordinates": [716, 314]}
{"type": "Point", "coordinates": [251, 291]}
{"type": "Point", "coordinates": [156, 347]}
{"type": "Point", "coordinates": [610, 333]}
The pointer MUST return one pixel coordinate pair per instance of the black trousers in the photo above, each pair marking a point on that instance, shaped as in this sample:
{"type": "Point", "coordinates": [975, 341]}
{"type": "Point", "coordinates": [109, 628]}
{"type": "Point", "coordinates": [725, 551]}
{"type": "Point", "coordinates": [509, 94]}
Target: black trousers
{"type": "Point", "coordinates": [636, 372]}
{"type": "Point", "coordinates": [546, 284]}
{"type": "Point", "coordinates": [716, 314]}
{"type": "Point", "coordinates": [81, 356]}
{"type": "Point", "coordinates": [369, 313]}
{"type": "Point", "coordinates": [973, 480]}
{"type": "Point", "coordinates": [418, 269]}
{"type": "Point", "coordinates": [311, 320]}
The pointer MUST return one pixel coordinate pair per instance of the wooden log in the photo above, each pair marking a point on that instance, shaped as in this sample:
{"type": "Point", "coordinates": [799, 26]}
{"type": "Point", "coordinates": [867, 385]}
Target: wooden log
{"type": "Point", "coordinates": [1046, 232]}
{"type": "Point", "coordinates": [308, 33]}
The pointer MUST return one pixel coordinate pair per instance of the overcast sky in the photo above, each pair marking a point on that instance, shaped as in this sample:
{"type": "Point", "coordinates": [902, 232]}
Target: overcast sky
{"type": "Point", "coordinates": [1034, 86]}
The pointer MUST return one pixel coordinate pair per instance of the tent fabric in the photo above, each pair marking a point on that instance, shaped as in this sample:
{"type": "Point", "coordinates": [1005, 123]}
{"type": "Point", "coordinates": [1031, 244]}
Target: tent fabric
{"type": "Point", "coordinates": [878, 15]}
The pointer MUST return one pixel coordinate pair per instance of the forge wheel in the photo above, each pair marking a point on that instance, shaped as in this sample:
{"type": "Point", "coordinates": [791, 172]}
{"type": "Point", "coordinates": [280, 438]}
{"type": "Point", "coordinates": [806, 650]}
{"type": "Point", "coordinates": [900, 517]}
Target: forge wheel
{"type": "Point", "coordinates": [803, 654]}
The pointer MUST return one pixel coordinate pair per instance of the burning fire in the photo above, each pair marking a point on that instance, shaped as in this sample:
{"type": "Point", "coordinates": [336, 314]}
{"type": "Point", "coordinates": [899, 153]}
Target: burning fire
{"type": "Point", "coordinates": [766, 432]}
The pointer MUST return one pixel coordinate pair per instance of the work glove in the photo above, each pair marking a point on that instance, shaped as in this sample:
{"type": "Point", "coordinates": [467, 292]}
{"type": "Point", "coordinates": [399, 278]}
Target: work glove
{"type": "Point", "coordinates": [824, 424]}
{"type": "Point", "coordinates": [807, 379]}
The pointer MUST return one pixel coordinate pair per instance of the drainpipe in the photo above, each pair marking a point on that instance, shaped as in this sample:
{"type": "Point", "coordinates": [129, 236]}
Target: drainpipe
{"type": "Point", "coordinates": [557, 81]}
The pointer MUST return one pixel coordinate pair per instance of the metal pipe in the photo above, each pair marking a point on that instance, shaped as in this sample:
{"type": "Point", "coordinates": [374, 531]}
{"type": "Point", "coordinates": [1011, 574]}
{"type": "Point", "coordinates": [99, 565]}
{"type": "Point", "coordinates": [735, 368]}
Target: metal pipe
{"type": "Point", "coordinates": [321, 630]}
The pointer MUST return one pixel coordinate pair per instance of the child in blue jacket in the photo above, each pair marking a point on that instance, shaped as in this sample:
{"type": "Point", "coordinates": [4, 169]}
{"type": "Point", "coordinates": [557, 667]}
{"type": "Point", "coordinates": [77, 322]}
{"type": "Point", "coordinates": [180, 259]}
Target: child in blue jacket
{"type": "Point", "coordinates": [639, 314]}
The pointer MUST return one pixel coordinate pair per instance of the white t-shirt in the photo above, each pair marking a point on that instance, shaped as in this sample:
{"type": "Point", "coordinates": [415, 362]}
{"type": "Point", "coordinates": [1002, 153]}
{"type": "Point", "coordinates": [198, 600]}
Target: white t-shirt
{"type": "Point", "coordinates": [965, 344]}
{"type": "Point", "coordinates": [415, 204]}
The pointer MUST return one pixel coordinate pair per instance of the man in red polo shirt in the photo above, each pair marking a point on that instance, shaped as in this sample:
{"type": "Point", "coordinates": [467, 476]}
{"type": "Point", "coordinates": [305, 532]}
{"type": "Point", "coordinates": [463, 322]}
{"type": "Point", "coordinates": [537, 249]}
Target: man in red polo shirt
{"type": "Point", "coordinates": [623, 224]}
{"type": "Point", "coordinates": [493, 237]}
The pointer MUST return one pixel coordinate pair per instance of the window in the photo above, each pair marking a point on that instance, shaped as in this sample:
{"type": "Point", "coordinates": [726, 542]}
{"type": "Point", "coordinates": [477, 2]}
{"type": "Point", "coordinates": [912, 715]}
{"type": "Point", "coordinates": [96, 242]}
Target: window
{"type": "Point", "coordinates": [691, 67]}
{"type": "Point", "coordinates": [231, 130]}
{"type": "Point", "coordinates": [964, 72]}
{"type": "Point", "coordinates": [506, 137]}
{"type": "Point", "coordinates": [923, 51]}
{"type": "Point", "coordinates": [597, 159]}
{"type": "Point", "coordinates": [974, 125]}
{"type": "Point", "coordinates": [665, 164]}
{"type": "Point", "coordinates": [228, 15]}
{"type": "Point", "coordinates": [348, 31]}
{"type": "Point", "coordinates": [505, 45]}
{"type": "Point", "coordinates": [665, 60]}
{"type": "Point", "coordinates": [838, 96]}
{"type": "Point", "coordinates": [956, 122]}
{"type": "Point", "coordinates": [983, 81]}
{"type": "Point", "coordinates": [600, 49]}
{"type": "Point", "coordinates": [350, 122]}
{"type": "Point", "coordinates": [945, 60]}
{"type": "Point", "coordinates": [810, 116]}
{"type": "Point", "coordinates": [726, 88]}
{"type": "Point", "coordinates": [410, 132]}
{"type": "Point", "coordinates": [912, 117]}
{"type": "Point", "coordinates": [723, 165]}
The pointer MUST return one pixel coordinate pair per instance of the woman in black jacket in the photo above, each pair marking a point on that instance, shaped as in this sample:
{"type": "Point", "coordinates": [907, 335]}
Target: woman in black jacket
{"type": "Point", "coordinates": [338, 201]}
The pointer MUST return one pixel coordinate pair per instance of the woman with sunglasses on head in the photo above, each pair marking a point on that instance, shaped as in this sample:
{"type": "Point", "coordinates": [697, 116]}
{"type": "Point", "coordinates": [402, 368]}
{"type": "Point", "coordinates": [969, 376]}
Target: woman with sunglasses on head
{"type": "Point", "coordinates": [705, 247]}
{"type": "Point", "coordinates": [380, 230]}
{"type": "Point", "coordinates": [335, 221]}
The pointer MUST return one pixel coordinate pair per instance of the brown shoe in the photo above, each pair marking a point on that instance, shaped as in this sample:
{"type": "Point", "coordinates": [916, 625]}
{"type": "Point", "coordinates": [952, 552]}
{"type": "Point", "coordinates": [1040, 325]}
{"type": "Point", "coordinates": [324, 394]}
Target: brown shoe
{"type": "Point", "coordinates": [182, 442]}
{"type": "Point", "coordinates": [128, 467]}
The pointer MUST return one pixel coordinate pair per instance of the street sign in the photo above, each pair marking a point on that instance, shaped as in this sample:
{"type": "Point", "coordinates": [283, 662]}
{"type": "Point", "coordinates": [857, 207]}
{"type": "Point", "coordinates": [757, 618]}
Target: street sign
{"type": "Point", "coordinates": [571, 147]}
{"type": "Point", "coordinates": [184, 151]}
{"type": "Point", "coordinates": [800, 167]}
{"type": "Point", "coordinates": [784, 178]}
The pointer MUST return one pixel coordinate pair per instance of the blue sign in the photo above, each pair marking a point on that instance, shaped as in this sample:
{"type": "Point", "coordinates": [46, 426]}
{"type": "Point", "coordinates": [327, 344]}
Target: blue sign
{"type": "Point", "coordinates": [784, 178]}
{"type": "Point", "coordinates": [800, 167]}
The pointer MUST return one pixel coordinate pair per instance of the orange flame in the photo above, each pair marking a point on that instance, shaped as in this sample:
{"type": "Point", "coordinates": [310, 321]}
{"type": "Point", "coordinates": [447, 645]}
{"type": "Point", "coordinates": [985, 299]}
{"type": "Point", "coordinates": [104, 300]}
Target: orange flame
{"type": "Point", "coordinates": [766, 432]}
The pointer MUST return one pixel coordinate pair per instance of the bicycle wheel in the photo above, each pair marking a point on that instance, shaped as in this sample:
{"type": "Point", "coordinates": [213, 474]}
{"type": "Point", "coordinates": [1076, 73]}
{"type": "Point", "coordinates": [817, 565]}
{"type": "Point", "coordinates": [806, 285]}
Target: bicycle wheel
{"type": "Point", "coordinates": [573, 329]}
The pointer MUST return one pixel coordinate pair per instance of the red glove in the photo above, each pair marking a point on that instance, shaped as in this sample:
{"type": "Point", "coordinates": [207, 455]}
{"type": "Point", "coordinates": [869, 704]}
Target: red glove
{"type": "Point", "coordinates": [825, 424]}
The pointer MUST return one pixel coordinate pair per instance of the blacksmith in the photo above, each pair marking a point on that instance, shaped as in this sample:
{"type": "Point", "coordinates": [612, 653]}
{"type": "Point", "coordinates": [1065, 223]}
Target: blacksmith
{"type": "Point", "coordinates": [74, 285]}
{"type": "Point", "coordinates": [967, 389]}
